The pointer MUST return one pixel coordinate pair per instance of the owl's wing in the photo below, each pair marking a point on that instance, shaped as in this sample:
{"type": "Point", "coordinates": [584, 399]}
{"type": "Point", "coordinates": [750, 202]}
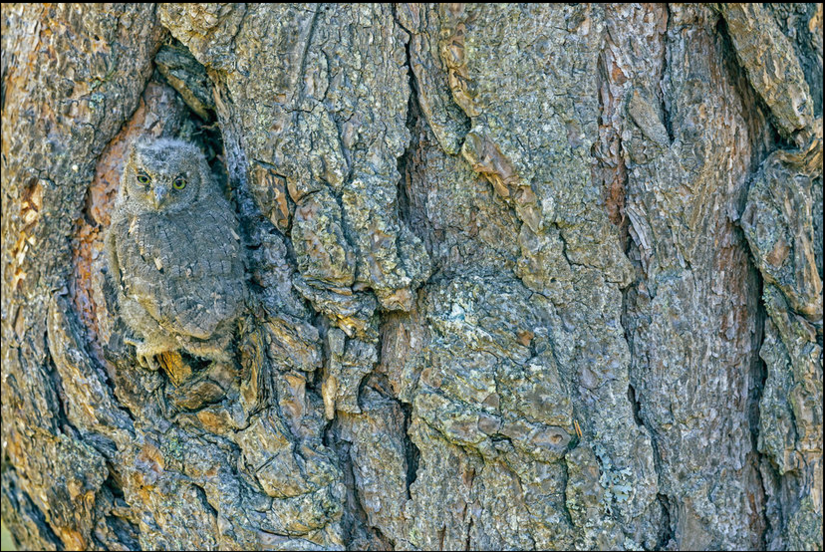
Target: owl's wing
{"type": "Point", "coordinates": [186, 268]}
{"type": "Point", "coordinates": [118, 227]}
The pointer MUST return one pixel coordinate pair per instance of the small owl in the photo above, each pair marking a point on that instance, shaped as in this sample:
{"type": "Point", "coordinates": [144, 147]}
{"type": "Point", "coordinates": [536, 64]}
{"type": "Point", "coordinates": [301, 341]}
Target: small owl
{"type": "Point", "coordinates": [175, 254]}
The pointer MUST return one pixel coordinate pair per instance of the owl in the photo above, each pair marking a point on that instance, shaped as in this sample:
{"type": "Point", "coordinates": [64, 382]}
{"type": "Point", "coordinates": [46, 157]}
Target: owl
{"type": "Point", "coordinates": [174, 254]}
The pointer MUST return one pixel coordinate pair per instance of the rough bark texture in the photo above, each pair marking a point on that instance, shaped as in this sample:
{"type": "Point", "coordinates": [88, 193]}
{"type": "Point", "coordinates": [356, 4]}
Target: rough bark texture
{"type": "Point", "coordinates": [521, 277]}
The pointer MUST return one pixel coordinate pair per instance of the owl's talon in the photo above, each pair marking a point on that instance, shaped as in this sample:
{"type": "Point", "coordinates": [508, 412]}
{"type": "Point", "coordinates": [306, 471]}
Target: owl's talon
{"type": "Point", "coordinates": [144, 358]}
{"type": "Point", "coordinates": [148, 362]}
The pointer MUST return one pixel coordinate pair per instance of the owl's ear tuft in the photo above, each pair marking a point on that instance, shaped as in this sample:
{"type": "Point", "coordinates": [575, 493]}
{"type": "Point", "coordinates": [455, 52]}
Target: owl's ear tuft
{"type": "Point", "coordinates": [131, 152]}
{"type": "Point", "coordinates": [137, 144]}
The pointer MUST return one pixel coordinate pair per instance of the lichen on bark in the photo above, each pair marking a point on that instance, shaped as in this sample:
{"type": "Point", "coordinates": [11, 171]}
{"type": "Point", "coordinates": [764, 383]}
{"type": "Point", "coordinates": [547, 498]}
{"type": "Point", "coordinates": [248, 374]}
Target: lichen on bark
{"type": "Point", "coordinates": [520, 277]}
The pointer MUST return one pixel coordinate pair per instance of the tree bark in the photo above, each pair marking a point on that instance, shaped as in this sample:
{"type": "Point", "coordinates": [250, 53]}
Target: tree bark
{"type": "Point", "coordinates": [521, 277]}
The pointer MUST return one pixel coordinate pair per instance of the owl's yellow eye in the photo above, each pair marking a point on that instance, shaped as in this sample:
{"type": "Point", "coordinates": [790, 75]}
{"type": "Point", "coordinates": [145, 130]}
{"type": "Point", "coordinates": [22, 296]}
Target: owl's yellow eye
{"type": "Point", "coordinates": [179, 183]}
{"type": "Point", "coordinates": [144, 178]}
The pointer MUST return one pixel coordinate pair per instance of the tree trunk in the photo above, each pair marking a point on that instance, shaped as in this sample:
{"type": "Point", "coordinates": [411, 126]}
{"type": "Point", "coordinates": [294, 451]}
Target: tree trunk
{"type": "Point", "coordinates": [521, 277]}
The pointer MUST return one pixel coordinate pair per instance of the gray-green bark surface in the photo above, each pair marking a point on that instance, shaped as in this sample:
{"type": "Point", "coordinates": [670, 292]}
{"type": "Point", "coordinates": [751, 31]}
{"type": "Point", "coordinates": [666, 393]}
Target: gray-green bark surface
{"type": "Point", "coordinates": [520, 277]}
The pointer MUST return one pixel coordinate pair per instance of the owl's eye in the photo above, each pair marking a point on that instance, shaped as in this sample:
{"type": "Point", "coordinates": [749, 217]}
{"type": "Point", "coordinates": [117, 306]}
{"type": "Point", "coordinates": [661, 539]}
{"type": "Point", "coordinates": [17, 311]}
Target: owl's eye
{"type": "Point", "coordinates": [179, 183]}
{"type": "Point", "coordinates": [144, 178]}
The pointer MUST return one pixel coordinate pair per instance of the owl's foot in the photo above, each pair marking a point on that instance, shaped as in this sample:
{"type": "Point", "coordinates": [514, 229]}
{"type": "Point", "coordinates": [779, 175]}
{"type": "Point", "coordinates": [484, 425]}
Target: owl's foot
{"type": "Point", "coordinates": [148, 362]}
{"type": "Point", "coordinates": [145, 356]}
{"type": "Point", "coordinates": [212, 350]}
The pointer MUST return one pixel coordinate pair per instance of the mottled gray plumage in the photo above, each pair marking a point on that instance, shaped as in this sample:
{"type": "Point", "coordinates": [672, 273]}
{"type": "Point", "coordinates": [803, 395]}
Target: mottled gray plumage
{"type": "Point", "coordinates": [174, 253]}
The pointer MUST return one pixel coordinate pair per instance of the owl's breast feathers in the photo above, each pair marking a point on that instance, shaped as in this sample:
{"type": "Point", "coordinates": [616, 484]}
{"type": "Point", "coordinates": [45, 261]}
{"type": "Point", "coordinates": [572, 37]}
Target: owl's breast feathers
{"type": "Point", "coordinates": [184, 268]}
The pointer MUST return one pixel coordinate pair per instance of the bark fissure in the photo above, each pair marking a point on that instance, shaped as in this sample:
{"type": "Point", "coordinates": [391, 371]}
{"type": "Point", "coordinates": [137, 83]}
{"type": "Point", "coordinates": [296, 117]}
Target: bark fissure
{"type": "Point", "coordinates": [667, 532]}
{"type": "Point", "coordinates": [530, 276]}
{"type": "Point", "coordinates": [20, 503]}
{"type": "Point", "coordinates": [411, 452]}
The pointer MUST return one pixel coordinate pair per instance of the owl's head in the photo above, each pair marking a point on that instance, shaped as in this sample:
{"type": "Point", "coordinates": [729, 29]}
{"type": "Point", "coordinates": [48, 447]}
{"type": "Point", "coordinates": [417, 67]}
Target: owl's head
{"type": "Point", "coordinates": [165, 175]}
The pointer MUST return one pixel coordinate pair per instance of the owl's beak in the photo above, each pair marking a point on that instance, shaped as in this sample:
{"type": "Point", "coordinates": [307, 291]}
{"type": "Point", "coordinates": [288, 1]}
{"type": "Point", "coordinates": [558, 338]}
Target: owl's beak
{"type": "Point", "coordinates": [160, 195]}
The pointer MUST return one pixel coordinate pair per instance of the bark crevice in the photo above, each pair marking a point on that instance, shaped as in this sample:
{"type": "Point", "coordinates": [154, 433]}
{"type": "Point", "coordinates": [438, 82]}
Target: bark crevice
{"type": "Point", "coordinates": [516, 276]}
